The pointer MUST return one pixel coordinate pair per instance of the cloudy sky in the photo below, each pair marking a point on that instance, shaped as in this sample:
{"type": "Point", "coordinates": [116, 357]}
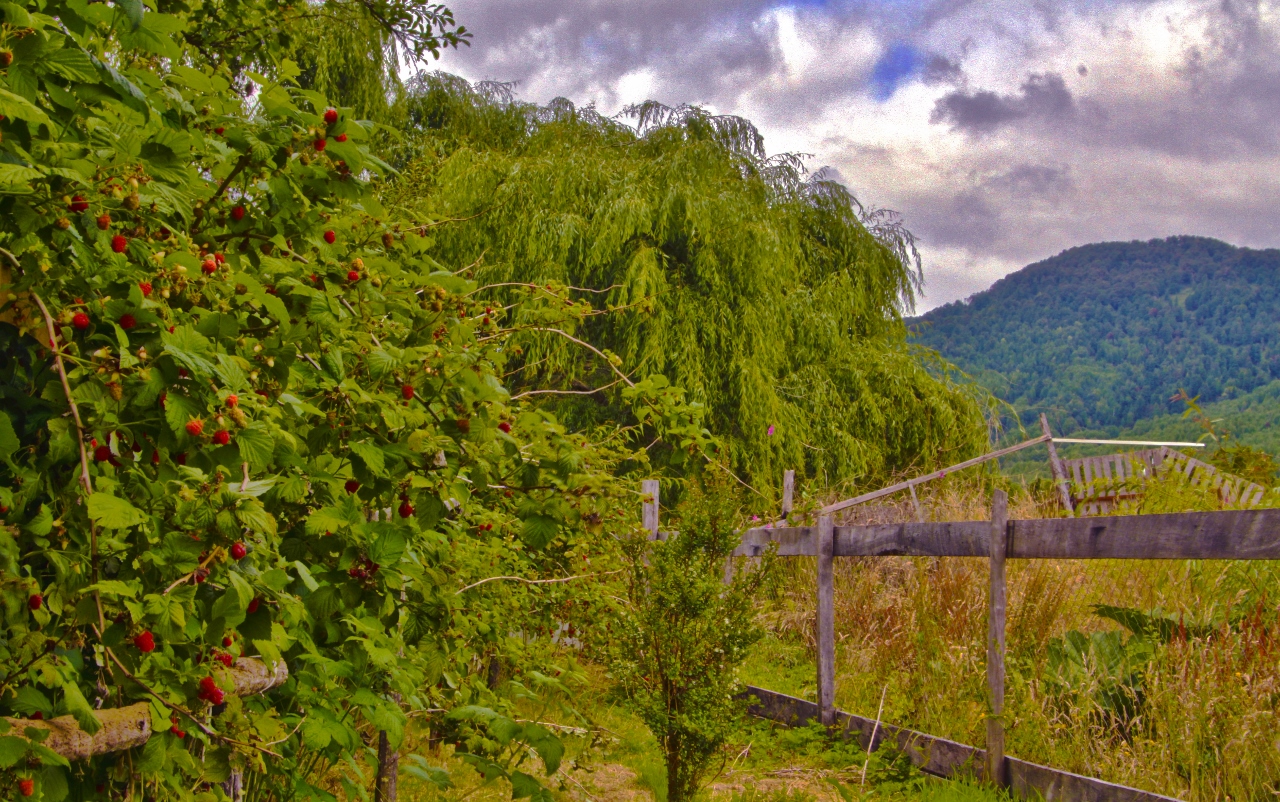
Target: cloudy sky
{"type": "Point", "coordinates": [1004, 131]}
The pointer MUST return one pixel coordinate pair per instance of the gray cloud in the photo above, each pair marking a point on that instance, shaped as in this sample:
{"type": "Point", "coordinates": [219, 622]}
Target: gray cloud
{"type": "Point", "coordinates": [1043, 96]}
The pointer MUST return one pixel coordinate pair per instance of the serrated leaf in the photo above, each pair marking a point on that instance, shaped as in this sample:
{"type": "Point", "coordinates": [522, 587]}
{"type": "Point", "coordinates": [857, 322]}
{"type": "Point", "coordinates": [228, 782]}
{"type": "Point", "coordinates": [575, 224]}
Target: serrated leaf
{"type": "Point", "coordinates": [133, 11]}
{"type": "Point", "coordinates": [113, 587]}
{"type": "Point", "coordinates": [114, 513]}
{"type": "Point", "coordinates": [178, 410]}
{"type": "Point", "coordinates": [373, 458]}
{"type": "Point", "coordinates": [12, 749]}
{"type": "Point", "coordinates": [327, 520]}
{"type": "Point", "coordinates": [539, 530]}
{"type": "Point", "coordinates": [16, 106]}
{"type": "Point", "coordinates": [79, 708]}
{"type": "Point", "coordinates": [8, 437]}
{"type": "Point", "coordinates": [387, 548]}
{"type": "Point", "coordinates": [256, 445]}
{"type": "Point", "coordinates": [72, 64]}
{"type": "Point", "coordinates": [14, 174]}
{"type": "Point", "coordinates": [190, 349]}
{"type": "Point", "coordinates": [305, 575]}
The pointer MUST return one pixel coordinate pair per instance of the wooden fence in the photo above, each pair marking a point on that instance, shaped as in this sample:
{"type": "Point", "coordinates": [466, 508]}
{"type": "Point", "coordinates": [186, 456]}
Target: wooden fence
{"type": "Point", "coordinates": [1229, 535]}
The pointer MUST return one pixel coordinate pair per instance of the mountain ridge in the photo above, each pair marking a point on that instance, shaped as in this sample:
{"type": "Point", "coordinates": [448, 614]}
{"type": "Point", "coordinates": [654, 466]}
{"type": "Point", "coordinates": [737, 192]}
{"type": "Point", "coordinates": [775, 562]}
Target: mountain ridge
{"type": "Point", "coordinates": [1101, 336]}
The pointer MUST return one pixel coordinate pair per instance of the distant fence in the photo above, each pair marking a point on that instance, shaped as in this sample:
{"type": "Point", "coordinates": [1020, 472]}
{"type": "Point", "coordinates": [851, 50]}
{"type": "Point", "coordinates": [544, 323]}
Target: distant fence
{"type": "Point", "coordinates": [1100, 484]}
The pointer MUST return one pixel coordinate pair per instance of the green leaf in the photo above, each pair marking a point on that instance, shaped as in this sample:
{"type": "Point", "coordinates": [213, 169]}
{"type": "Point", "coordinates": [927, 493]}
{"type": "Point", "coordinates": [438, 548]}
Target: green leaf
{"type": "Point", "coordinates": [73, 64]}
{"type": "Point", "coordinates": [525, 787]}
{"type": "Point", "coordinates": [190, 350]}
{"type": "Point", "coordinates": [256, 445]}
{"type": "Point", "coordinates": [539, 530]}
{"type": "Point", "coordinates": [113, 587]}
{"type": "Point", "coordinates": [388, 548]}
{"type": "Point", "coordinates": [16, 106]}
{"type": "Point", "coordinates": [12, 749]}
{"type": "Point", "coordinates": [53, 784]}
{"type": "Point", "coordinates": [16, 174]}
{"type": "Point", "coordinates": [79, 708]}
{"type": "Point", "coordinates": [305, 575]}
{"type": "Point", "coordinates": [42, 523]}
{"type": "Point", "coordinates": [373, 458]}
{"type": "Point", "coordinates": [114, 513]}
{"type": "Point", "coordinates": [178, 410]}
{"type": "Point", "coordinates": [8, 436]}
{"type": "Point", "coordinates": [132, 11]}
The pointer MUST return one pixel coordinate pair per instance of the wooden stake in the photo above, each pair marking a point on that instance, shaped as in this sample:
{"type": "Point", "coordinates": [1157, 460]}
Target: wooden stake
{"type": "Point", "coordinates": [999, 545]}
{"type": "Point", "coordinates": [649, 515]}
{"type": "Point", "coordinates": [826, 622]}
{"type": "Point", "coordinates": [1055, 465]}
{"type": "Point", "coordinates": [788, 493]}
{"type": "Point", "coordinates": [916, 502]}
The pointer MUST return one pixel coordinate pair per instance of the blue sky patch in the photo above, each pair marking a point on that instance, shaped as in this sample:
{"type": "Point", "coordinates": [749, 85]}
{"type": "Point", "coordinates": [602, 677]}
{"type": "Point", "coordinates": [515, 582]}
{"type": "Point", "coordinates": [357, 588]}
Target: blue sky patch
{"type": "Point", "coordinates": [898, 64]}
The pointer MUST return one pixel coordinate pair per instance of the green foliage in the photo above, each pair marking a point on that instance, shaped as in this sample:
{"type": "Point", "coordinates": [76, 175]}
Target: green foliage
{"type": "Point", "coordinates": [1105, 335]}
{"type": "Point", "coordinates": [771, 296]}
{"type": "Point", "coordinates": [674, 649]}
{"type": "Point", "coordinates": [282, 431]}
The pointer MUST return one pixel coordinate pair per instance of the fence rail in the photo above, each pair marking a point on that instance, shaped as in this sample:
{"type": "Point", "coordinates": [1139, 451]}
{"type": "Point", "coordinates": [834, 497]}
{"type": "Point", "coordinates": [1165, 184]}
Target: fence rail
{"type": "Point", "coordinates": [1228, 535]}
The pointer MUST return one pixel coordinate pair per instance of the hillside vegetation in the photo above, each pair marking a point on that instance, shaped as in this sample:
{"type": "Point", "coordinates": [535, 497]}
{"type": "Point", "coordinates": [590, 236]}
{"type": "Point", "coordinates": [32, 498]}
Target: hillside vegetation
{"type": "Point", "coordinates": [1102, 336]}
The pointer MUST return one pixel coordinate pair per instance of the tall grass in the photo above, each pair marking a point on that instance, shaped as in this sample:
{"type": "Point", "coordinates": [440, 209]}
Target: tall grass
{"type": "Point", "coordinates": [1195, 715]}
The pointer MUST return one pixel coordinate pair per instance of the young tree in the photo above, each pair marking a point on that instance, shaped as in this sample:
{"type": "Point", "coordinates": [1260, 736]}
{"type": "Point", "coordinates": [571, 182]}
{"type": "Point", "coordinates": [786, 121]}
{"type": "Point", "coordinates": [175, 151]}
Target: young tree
{"type": "Point", "coordinates": [676, 646]}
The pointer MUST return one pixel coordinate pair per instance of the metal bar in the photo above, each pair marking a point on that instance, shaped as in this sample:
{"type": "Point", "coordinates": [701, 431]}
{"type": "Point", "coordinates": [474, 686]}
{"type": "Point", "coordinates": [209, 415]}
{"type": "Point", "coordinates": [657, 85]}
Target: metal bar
{"type": "Point", "coordinates": [1125, 442]}
{"type": "Point", "coordinates": [875, 494]}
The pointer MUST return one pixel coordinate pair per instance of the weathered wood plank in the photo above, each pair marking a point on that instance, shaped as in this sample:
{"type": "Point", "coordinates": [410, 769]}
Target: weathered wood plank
{"type": "Point", "coordinates": [826, 621]}
{"type": "Point", "coordinates": [793, 541]}
{"type": "Point", "coordinates": [1227, 535]}
{"type": "Point", "coordinates": [1055, 467]}
{"type": "Point", "coordinates": [997, 606]}
{"type": "Point", "coordinates": [788, 493]}
{"type": "Point", "coordinates": [649, 510]}
{"type": "Point", "coordinates": [891, 489]}
{"type": "Point", "coordinates": [944, 539]}
{"type": "Point", "coordinates": [944, 758]}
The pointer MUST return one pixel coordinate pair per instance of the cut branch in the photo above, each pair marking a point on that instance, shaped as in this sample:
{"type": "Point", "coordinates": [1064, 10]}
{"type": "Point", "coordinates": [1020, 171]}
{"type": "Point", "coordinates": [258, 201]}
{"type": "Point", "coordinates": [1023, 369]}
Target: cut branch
{"type": "Point", "coordinates": [460, 591]}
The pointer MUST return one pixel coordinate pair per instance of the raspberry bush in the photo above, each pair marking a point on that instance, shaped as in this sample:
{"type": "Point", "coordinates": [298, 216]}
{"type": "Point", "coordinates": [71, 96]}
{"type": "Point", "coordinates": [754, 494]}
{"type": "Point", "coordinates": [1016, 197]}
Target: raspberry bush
{"type": "Point", "coordinates": [243, 412]}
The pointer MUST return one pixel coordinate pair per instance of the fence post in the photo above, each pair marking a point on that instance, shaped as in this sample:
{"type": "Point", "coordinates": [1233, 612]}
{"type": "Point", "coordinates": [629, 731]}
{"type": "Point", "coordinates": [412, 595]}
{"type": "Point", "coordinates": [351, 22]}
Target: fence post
{"type": "Point", "coordinates": [826, 622]}
{"type": "Point", "coordinates": [998, 546]}
{"type": "Point", "coordinates": [1055, 466]}
{"type": "Point", "coordinates": [388, 770]}
{"type": "Point", "coordinates": [649, 514]}
{"type": "Point", "coordinates": [788, 493]}
{"type": "Point", "coordinates": [916, 502]}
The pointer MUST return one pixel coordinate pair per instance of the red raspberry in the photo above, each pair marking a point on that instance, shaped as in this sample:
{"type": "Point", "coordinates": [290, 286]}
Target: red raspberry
{"type": "Point", "coordinates": [36, 601]}
{"type": "Point", "coordinates": [26, 786]}
{"type": "Point", "coordinates": [352, 485]}
{"type": "Point", "coordinates": [180, 459]}
{"type": "Point", "coordinates": [79, 204]}
{"type": "Point", "coordinates": [253, 606]}
{"type": "Point", "coordinates": [145, 642]}
{"type": "Point", "coordinates": [237, 213]}
{"type": "Point", "coordinates": [38, 715]}
{"type": "Point", "coordinates": [505, 427]}
{"type": "Point", "coordinates": [209, 266]}
{"type": "Point", "coordinates": [318, 145]}
{"type": "Point", "coordinates": [222, 437]}
{"type": "Point", "coordinates": [232, 400]}
{"type": "Point", "coordinates": [407, 391]}
{"type": "Point", "coordinates": [219, 130]}
{"type": "Point", "coordinates": [146, 289]}
{"type": "Point", "coordinates": [224, 658]}
{"type": "Point", "coordinates": [353, 275]}
{"type": "Point", "coordinates": [226, 642]}
{"type": "Point", "coordinates": [341, 137]}
{"type": "Point", "coordinates": [195, 427]}
{"type": "Point", "coordinates": [330, 116]}
{"type": "Point", "coordinates": [128, 321]}
{"type": "Point", "coordinates": [104, 221]}
{"type": "Point", "coordinates": [406, 509]}
{"type": "Point", "coordinates": [119, 243]}
{"type": "Point", "coordinates": [174, 729]}
{"type": "Point", "coordinates": [330, 237]}
{"type": "Point", "coordinates": [102, 454]}
{"type": "Point", "coordinates": [80, 321]}
{"type": "Point", "coordinates": [238, 551]}
{"type": "Point", "coordinates": [155, 457]}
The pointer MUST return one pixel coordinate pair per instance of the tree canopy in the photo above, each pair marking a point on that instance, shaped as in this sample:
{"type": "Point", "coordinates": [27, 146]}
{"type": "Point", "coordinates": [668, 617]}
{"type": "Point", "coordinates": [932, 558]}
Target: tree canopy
{"type": "Point", "coordinates": [771, 295]}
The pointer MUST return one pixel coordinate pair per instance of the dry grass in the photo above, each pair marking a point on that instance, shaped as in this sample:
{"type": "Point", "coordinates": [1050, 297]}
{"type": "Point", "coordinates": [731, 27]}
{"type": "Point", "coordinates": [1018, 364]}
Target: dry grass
{"type": "Point", "coordinates": [915, 629]}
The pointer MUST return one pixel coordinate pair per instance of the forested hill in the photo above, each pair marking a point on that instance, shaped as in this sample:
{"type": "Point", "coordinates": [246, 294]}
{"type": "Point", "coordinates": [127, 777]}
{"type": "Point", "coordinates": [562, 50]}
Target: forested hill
{"type": "Point", "coordinates": [1103, 335]}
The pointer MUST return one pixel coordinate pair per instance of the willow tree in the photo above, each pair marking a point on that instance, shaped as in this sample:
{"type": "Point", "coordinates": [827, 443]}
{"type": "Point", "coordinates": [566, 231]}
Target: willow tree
{"type": "Point", "coordinates": [772, 296]}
